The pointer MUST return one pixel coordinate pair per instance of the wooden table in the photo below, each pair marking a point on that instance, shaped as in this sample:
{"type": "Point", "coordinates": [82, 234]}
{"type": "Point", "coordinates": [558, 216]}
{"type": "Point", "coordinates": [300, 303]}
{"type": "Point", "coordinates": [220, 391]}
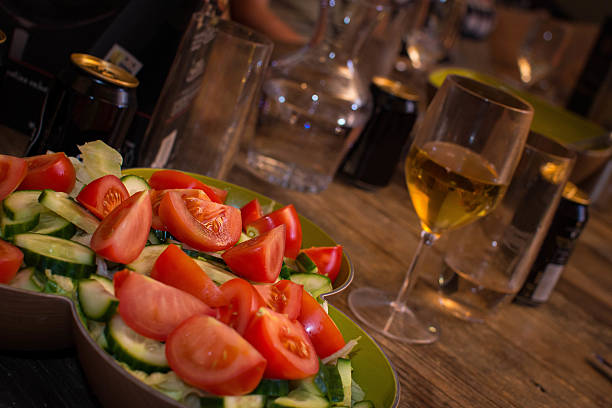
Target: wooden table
{"type": "Point", "coordinates": [523, 357]}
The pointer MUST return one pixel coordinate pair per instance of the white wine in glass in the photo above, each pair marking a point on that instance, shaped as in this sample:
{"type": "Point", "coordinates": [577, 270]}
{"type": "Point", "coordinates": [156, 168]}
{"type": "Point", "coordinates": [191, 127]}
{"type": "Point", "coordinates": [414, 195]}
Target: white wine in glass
{"type": "Point", "coordinates": [457, 170]}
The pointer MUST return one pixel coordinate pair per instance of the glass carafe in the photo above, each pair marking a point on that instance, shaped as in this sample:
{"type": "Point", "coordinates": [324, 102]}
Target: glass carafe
{"type": "Point", "coordinates": [314, 102]}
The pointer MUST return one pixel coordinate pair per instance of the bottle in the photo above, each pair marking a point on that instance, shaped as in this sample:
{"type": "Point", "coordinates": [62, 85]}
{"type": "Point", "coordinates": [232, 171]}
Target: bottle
{"type": "Point", "coordinates": [567, 225]}
{"type": "Point", "coordinates": [314, 103]}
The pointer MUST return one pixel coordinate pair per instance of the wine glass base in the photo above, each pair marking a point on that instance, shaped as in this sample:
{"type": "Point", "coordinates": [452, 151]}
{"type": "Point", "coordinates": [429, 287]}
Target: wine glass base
{"type": "Point", "coordinates": [406, 323]}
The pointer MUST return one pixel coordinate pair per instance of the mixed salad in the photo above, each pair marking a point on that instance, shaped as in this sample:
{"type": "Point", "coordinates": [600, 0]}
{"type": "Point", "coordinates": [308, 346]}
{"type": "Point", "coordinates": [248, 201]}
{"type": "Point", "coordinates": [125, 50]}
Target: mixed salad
{"type": "Point", "coordinates": [210, 304]}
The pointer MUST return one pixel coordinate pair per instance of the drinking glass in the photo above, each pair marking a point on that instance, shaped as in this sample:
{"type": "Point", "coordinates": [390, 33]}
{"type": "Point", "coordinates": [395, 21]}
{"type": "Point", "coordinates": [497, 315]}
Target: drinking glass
{"type": "Point", "coordinates": [457, 170]}
{"type": "Point", "coordinates": [541, 50]}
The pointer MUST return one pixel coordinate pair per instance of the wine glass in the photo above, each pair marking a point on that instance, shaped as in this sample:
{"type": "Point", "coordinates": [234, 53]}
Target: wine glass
{"type": "Point", "coordinates": [457, 170]}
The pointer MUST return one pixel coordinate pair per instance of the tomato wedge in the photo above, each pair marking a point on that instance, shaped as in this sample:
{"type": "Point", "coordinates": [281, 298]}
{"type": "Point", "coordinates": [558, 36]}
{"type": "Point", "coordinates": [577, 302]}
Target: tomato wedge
{"type": "Point", "coordinates": [243, 302]}
{"type": "Point", "coordinates": [293, 229]}
{"type": "Point", "coordinates": [10, 261]}
{"type": "Point", "coordinates": [283, 297]}
{"type": "Point", "coordinates": [123, 233]}
{"type": "Point", "coordinates": [175, 268]}
{"type": "Point", "coordinates": [157, 195]}
{"type": "Point", "coordinates": [174, 179]}
{"type": "Point", "coordinates": [250, 212]}
{"type": "Point", "coordinates": [258, 259]}
{"type": "Point", "coordinates": [154, 309]}
{"type": "Point", "coordinates": [327, 259]}
{"type": "Point", "coordinates": [210, 355]}
{"type": "Point", "coordinates": [12, 172]}
{"type": "Point", "coordinates": [321, 329]}
{"type": "Point", "coordinates": [201, 224]}
{"type": "Point", "coordinates": [54, 171]}
{"type": "Point", "coordinates": [284, 344]}
{"type": "Point", "coordinates": [103, 195]}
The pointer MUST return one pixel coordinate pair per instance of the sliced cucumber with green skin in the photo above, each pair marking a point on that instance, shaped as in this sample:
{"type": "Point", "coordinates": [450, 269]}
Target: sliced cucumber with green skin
{"type": "Point", "coordinates": [364, 404]}
{"type": "Point", "coordinates": [23, 280]}
{"type": "Point", "coordinates": [61, 204]}
{"type": "Point", "coordinates": [107, 283]}
{"type": "Point", "coordinates": [333, 381]}
{"type": "Point", "coordinates": [214, 258]}
{"type": "Point", "coordinates": [300, 399]}
{"type": "Point", "coordinates": [145, 261]}
{"type": "Point", "coordinates": [22, 204]}
{"type": "Point", "coordinates": [243, 401]}
{"type": "Point", "coordinates": [214, 272]}
{"type": "Point", "coordinates": [305, 264]}
{"type": "Point", "coordinates": [134, 184]}
{"type": "Point", "coordinates": [314, 283]}
{"type": "Point", "coordinates": [345, 370]}
{"type": "Point", "coordinates": [54, 225]}
{"type": "Point", "coordinates": [313, 385]}
{"type": "Point", "coordinates": [272, 387]}
{"type": "Point", "coordinates": [138, 352]}
{"type": "Point", "coordinates": [96, 302]}
{"type": "Point", "coordinates": [61, 256]}
{"type": "Point", "coordinates": [9, 228]}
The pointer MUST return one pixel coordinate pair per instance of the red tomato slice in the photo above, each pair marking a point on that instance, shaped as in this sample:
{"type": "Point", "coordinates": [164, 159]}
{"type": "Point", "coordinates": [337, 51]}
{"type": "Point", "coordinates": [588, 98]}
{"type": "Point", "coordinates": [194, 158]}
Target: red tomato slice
{"type": "Point", "coordinates": [154, 309]}
{"type": "Point", "coordinates": [321, 329]}
{"type": "Point", "coordinates": [201, 224]}
{"type": "Point", "coordinates": [284, 344]}
{"type": "Point", "coordinates": [250, 212]}
{"type": "Point", "coordinates": [174, 179]}
{"type": "Point", "coordinates": [123, 233]}
{"type": "Point", "coordinates": [327, 259]}
{"type": "Point", "coordinates": [10, 261]}
{"type": "Point", "coordinates": [54, 171]}
{"type": "Point", "coordinates": [157, 195]}
{"type": "Point", "coordinates": [243, 302]}
{"type": "Point", "coordinates": [103, 195]}
{"type": "Point", "coordinates": [214, 357]}
{"type": "Point", "coordinates": [283, 297]}
{"type": "Point", "coordinates": [175, 268]}
{"type": "Point", "coordinates": [293, 232]}
{"type": "Point", "coordinates": [12, 172]}
{"type": "Point", "coordinates": [258, 259]}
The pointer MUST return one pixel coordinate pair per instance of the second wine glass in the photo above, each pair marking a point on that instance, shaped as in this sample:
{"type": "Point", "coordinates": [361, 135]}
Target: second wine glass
{"type": "Point", "coordinates": [457, 170]}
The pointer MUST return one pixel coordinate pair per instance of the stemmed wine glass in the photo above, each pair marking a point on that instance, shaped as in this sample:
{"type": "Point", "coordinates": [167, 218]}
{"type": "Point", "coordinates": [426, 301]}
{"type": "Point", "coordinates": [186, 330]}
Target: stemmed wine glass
{"type": "Point", "coordinates": [457, 170]}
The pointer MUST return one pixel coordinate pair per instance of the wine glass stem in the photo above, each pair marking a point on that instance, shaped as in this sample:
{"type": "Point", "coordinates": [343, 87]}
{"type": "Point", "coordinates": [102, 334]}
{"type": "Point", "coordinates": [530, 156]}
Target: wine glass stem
{"type": "Point", "coordinates": [410, 278]}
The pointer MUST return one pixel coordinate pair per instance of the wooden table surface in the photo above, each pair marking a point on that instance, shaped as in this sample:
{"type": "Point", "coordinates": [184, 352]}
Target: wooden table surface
{"type": "Point", "coordinates": [522, 357]}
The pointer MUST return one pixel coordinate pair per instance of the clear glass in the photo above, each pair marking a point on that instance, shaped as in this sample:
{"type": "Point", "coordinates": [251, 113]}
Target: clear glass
{"type": "Point", "coordinates": [205, 103]}
{"type": "Point", "coordinates": [457, 170]}
{"type": "Point", "coordinates": [541, 50]}
{"type": "Point", "coordinates": [314, 103]}
{"type": "Point", "coordinates": [489, 260]}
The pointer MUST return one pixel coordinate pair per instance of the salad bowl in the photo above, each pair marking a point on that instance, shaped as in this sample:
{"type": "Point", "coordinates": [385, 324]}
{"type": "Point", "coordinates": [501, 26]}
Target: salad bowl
{"type": "Point", "coordinates": [39, 321]}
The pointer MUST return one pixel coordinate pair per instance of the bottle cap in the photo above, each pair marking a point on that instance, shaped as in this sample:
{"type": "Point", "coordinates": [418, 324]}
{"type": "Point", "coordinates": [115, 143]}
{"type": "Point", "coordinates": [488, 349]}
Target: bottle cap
{"type": "Point", "coordinates": [104, 70]}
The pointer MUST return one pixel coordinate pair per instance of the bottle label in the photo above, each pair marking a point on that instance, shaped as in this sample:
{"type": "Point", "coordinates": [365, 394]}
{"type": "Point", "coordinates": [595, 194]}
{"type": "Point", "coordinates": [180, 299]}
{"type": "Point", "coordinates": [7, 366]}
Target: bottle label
{"type": "Point", "coordinates": [163, 154]}
{"type": "Point", "coordinates": [548, 280]}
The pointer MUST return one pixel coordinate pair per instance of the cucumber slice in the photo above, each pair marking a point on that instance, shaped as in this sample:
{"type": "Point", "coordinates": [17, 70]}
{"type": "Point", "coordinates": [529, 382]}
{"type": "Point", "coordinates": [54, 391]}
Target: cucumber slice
{"type": "Point", "coordinates": [214, 272]}
{"type": "Point", "coordinates": [314, 283]}
{"type": "Point", "coordinates": [364, 404]}
{"type": "Point", "coordinates": [23, 280]}
{"type": "Point", "coordinates": [135, 184]}
{"type": "Point", "coordinates": [243, 401]}
{"type": "Point", "coordinates": [305, 264]}
{"type": "Point", "coordinates": [64, 206]}
{"type": "Point", "coordinates": [138, 352]}
{"type": "Point", "coordinates": [22, 205]}
{"type": "Point", "coordinates": [96, 302]}
{"type": "Point", "coordinates": [145, 261]}
{"type": "Point", "coordinates": [107, 283]}
{"type": "Point", "coordinates": [272, 387]}
{"type": "Point", "coordinates": [9, 228]}
{"type": "Point", "coordinates": [300, 399]}
{"type": "Point", "coordinates": [61, 256]}
{"type": "Point", "coordinates": [54, 225]}
{"type": "Point", "coordinates": [345, 370]}
{"type": "Point", "coordinates": [212, 257]}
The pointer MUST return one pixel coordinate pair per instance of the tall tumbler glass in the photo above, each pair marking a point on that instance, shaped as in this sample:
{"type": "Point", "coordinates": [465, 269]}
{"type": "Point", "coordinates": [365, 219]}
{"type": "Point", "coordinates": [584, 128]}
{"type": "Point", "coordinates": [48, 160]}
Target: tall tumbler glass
{"type": "Point", "coordinates": [205, 103]}
{"type": "Point", "coordinates": [487, 262]}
